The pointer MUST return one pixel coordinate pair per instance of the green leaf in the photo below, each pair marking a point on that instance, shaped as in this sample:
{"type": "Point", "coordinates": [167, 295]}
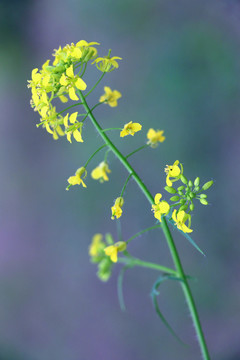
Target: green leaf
{"type": "Point", "coordinates": [154, 294]}
{"type": "Point", "coordinates": [192, 242]}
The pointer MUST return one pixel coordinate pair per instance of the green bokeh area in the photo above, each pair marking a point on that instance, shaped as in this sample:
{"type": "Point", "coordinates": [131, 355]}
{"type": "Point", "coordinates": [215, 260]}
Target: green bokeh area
{"type": "Point", "coordinates": [179, 73]}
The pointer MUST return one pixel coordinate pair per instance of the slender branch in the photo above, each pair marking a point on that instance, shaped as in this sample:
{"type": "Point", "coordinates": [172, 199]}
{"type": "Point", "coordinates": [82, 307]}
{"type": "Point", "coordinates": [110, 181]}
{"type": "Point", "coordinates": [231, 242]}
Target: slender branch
{"type": "Point", "coordinates": [95, 84]}
{"type": "Point", "coordinates": [125, 184]}
{"type": "Point", "coordinates": [143, 231]}
{"type": "Point", "coordinates": [138, 149]}
{"type": "Point", "coordinates": [69, 107]}
{"type": "Point", "coordinates": [111, 129]}
{"type": "Point", "coordinates": [101, 147]}
{"type": "Point", "coordinates": [167, 233]}
{"type": "Point", "coordinates": [132, 261]}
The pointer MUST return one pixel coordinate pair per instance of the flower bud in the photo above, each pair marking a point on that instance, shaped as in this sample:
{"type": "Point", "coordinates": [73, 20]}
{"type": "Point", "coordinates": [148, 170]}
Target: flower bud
{"type": "Point", "coordinates": [171, 190]}
{"type": "Point", "coordinates": [184, 180]}
{"type": "Point", "coordinates": [174, 198]}
{"type": "Point", "coordinates": [180, 188]}
{"type": "Point", "coordinates": [190, 183]}
{"type": "Point", "coordinates": [192, 207]}
{"type": "Point", "coordinates": [183, 207]}
{"type": "Point", "coordinates": [203, 196]}
{"type": "Point", "coordinates": [197, 182]}
{"type": "Point", "coordinates": [192, 195]}
{"type": "Point", "coordinates": [203, 201]}
{"type": "Point", "coordinates": [180, 192]}
{"type": "Point", "coordinates": [182, 201]}
{"type": "Point", "coordinates": [197, 188]}
{"type": "Point", "coordinates": [109, 239]}
{"type": "Point", "coordinates": [207, 185]}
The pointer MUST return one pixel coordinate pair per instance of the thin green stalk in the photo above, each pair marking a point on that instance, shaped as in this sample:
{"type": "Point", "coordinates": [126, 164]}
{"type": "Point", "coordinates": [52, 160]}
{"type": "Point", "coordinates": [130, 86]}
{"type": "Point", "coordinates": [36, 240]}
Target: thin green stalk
{"type": "Point", "coordinates": [167, 233]}
{"type": "Point", "coordinates": [125, 184]}
{"type": "Point", "coordinates": [95, 84]}
{"type": "Point", "coordinates": [101, 147]}
{"type": "Point", "coordinates": [69, 107]}
{"type": "Point", "coordinates": [111, 129]}
{"type": "Point", "coordinates": [137, 262]}
{"type": "Point", "coordinates": [138, 149]}
{"type": "Point", "coordinates": [142, 232]}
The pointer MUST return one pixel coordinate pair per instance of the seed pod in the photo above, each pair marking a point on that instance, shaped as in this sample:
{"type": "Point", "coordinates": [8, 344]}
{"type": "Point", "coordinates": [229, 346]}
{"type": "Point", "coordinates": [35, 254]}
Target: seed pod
{"type": "Point", "coordinates": [184, 180]}
{"type": "Point", "coordinates": [192, 207]}
{"type": "Point", "coordinates": [190, 183]}
{"type": "Point", "coordinates": [197, 182]}
{"type": "Point", "coordinates": [183, 207]}
{"type": "Point", "coordinates": [203, 196]}
{"type": "Point", "coordinates": [207, 185]}
{"type": "Point", "coordinates": [171, 190]}
{"type": "Point", "coordinates": [203, 201]}
{"type": "Point", "coordinates": [174, 198]}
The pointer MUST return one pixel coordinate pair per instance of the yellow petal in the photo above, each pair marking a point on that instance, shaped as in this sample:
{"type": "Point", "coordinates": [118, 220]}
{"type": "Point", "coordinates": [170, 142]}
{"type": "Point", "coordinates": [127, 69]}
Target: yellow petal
{"type": "Point", "coordinates": [168, 181]}
{"type": "Point", "coordinates": [74, 180]}
{"type": "Point", "coordinates": [174, 215]}
{"type": "Point", "coordinates": [48, 128]}
{"type": "Point", "coordinates": [72, 94]}
{"type": "Point", "coordinates": [63, 80]}
{"type": "Point", "coordinates": [80, 84]}
{"type": "Point", "coordinates": [73, 117]}
{"type": "Point", "coordinates": [65, 121]}
{"type": "Point", "coordinates": [151, 134]}
{"type": "Point", "coordinates": [96, 173]}
{"type": "Point", "coordinates": [69, 71]}
{"type": "Point", "coordinates": [136, 127]}
{"type": "Point", "coordinates": [164, 207]}
{"type": "Point", "coordinates": [63, 98]}
{"type": "Point", "coordinates": [77, 136]}
{"type": "Point", "coordinates": [69, 137]}
{"type": "Point", "coordinates": [157, 198]}
{"type": "Point", "coordinates": [123, 133]}
{"type": "Point", "coordinates": [185, 229]}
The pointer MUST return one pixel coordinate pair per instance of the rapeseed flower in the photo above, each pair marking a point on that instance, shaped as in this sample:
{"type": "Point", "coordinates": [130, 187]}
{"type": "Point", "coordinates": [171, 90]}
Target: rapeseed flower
{"type": "Point", "coordinates": [130, 129]}
{"type": "Point", "coordinates": [75, 129]}
{"type": "Point", "coordinates": [110, 97]}
{"type": "Point", "coordinates": [113, 250]}
{"type": "Point", "coordinates": [154, 137]}
{"type": "Point", "coordinates": [160, 208]}
{"type": "Point", "coordinates": [180, 218]}
{"type": "Point", "coordinates": [117, 208]}
{"type": "Point", "coordinates": [107, 64]}
{"type": "Point", "coordinates": [77, 178]}
{"type": "Point", "coordinates": [100, 172]}
{"type": "Point", "coordinates": [70, 81]}
{"type": "Point", "coordinates": [173, 171]}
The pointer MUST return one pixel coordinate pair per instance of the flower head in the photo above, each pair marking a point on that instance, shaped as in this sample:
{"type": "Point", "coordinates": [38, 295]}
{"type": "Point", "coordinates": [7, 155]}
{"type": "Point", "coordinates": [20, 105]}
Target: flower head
{"type": "Point", "coordinates": [71, 81]}
{"type": "Point", "coordinates": [154, 137]}
{"type": "Point", "coordinates": [173, 171]}
{"type": "Point", "coordinates": [160, 208]}
{"type": "Point", "coordinates": [110, 97]}
{"type": "Point", "coordinates": [130, 129]}
{"type": "Point", "coordinates": [180, 218]}
{"type": "Point", "coordinates": [77, 178]}
{"type": "Point", "coordinates": [75, 129]}
{"type": "Point", "coordinates": [97, 246]}
{"type": "Point", "coordinates": [107, 64]}
{"type": "Point", "coordinates": [100, 172]}
{"type": "Point", "coordinates": [117, 208]}
{"type": "Point", "coordinates": [112, 250]}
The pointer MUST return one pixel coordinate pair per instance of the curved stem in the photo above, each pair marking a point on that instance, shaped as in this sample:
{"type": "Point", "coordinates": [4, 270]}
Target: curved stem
{"type": "Point", "coordinates": [101, 147]}
{"type": "Point", "coordinates": [142, 232]}
{"type": "Point", "coordinates": [95, 84]}
{"type": "Point", "coordinates": [167, 233]}
{"type": "Point", "coordinates": [125, 184]}
{"type": "Point", "coordinates": [138, 149]}
{"type": "Point", "coordinates": [132, 261]}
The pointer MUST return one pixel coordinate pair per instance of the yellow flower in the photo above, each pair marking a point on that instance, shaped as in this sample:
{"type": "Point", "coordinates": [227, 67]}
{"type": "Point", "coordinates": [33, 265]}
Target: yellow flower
{"type": "Point", "coordinates": [107, 64]}
{"type": "Point", "coordinates": [88, 51]}
{"type": "Point", "coordinates": [174, 172]}
{"type": "Point", "coordinates": [96, 246]}
{"type": "Point", "coordinates": [75, 129]}
{"type": "Point", "coordinates": [76, 179]}
{"type": "Point", "coordinates": [154, 137]}
{"type": "Point", "coordinates": [160, 208]}
{"type": "Point", "coordinates": [70, 81]}
{"type": "Point", "coordinates": [112, 250]}
{"type": "Point", "coordinates": [110, 97]}
{"type": "Point", "coordinates": [130, 129]}
{"type": "Point", "coordinates": [100, 172]}
{"type": "Point", "coordinates": [180, 218]}
{"type": "Point", "coordinates": [117, 208]}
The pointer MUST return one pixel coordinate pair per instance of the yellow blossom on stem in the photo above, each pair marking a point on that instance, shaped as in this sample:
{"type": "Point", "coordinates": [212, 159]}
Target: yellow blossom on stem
{"type": "Point", "coordinates": [75, 129]}
{"type": "Point", "coordinates": [180, 218]}
{"type": "Point", "coordinates": [130, 129]}
{"type": "Point", "coordinates": [117, 208]}
{"type": "Point", "coordinates": [107, 64]}
{"type": "Point", "coordinates": [110, 97]}
{"type": "Point", "coordinates": [173, 171]}
{"type": "Point", "coordinates": [88, 51]}
{"type": "Point", "coordinates": [112, 250]}
{"type": "Point", "coordinates": [71, 81]}
{"type": "Point", "coordinates": [77, 178]}
{"type": "Point", "coordinates": [154, 137]}
{"type": "Point", "coordinates": [160, 208]}
{"type": "Point", "coordinates": [100, 172]}
{"type": "Point", "coordinates": [97, 245]}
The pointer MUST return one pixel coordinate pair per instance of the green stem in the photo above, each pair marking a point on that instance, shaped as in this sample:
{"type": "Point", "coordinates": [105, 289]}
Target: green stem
{"type": "Point", "coordinates": [125, 184]}
{"type": "Point", "coordinates": [95, 84]}
{"type": "Point", "coordinates": [69, 107]}
{"type": "Point", "coordinates": [167, 233]}
{"type": "Point", "coordinates": [111, 129]}
{"type": "Point", "coordinates": [142, 232]}
{"type": "Point", "coordinates": [101, 147]}
{"type": "Point", "coordinates": [132, 261]}
{"type": "Point", "coordinates": [138, 149]}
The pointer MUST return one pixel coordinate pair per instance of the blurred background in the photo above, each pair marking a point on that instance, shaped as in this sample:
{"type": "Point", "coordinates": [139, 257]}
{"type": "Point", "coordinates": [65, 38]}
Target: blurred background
{"type": "Point", "coordinates": [180, 73]}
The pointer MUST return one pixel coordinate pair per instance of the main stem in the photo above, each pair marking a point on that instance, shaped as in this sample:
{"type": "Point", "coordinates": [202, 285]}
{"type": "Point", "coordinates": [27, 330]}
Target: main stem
{"type": "Point", "coordinates": [166, 231]}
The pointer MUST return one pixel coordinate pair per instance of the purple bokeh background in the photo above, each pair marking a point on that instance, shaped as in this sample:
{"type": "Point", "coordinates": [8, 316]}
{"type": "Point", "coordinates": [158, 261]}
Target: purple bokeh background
{"type": "Point", "coordinates": [180, 73]}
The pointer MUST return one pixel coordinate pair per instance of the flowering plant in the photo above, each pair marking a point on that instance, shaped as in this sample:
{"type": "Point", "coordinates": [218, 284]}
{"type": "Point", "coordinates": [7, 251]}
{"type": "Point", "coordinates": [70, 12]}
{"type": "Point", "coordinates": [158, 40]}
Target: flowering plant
{"type": "Point", "coordinates": [64, 80]}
